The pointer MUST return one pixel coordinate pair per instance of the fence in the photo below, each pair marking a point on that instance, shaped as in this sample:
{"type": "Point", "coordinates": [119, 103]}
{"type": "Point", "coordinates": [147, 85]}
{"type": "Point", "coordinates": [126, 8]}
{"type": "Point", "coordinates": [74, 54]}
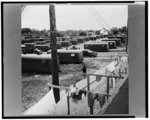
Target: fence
{"type": "Point", "coordinates": [108, 79]}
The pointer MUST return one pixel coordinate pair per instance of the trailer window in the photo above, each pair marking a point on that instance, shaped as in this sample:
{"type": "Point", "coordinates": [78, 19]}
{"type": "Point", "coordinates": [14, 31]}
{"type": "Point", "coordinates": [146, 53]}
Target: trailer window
{"type": "Point", "coordinates": [72, 55]}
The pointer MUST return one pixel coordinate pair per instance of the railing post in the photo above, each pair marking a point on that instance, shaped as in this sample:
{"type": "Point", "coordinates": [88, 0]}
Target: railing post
{"type": "Point", "coordinates": [88, 83]}
{"type": "Point", "coordinates": [88, 88]}
{"type": "Point", "coordinates": [107, 86]}
{"type": "Point", "coordinates": [68, 102]}
{"type": "Point", "coordinates": [91, 110]}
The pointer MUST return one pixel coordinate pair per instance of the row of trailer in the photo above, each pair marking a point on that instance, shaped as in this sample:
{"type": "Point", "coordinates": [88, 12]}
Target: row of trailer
{"type": "Point", "coordinates": [42, 63]}
{"type": "Point", "coordinates": [94, 45]}
{"type": "Point", "coordinates": [103, 46]}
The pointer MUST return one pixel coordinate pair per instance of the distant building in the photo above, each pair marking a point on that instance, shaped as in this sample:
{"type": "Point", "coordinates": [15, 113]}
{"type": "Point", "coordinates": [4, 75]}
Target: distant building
{"type": "Point", "coordinates": [91, 34]}
{"type": "Point", "coordinates": [104, 32]}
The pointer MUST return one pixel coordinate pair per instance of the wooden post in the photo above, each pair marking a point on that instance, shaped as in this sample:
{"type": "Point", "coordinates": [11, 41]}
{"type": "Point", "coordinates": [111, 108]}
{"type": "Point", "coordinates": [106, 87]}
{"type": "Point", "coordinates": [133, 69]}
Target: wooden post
{"type": "Point", "coordinates": [68, 103]}
{"type": "Point", "coordinates": [55, 67]}
{"type": "Point", "coordinates": [88, 88]}
{"type": "Point", "coordinates": [107, 86]}
{"type": "Point", "coordinates": [91, 110]}
{"type": "Point", "coordinates": [88, 83]}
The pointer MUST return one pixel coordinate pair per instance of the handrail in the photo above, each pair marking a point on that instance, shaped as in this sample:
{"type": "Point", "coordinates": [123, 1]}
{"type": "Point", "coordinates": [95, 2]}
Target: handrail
{"type": "Point", "coordinates": [102, 75]}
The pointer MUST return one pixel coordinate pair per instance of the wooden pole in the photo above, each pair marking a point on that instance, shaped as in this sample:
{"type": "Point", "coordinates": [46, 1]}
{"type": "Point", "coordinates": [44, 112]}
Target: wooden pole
{"type": "Point", "coordinates": [54, 63]}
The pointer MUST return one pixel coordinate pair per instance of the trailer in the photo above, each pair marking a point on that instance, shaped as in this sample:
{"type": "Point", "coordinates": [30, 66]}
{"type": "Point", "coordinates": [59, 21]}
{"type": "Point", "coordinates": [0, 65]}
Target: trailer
{"type": "Point", "coordinates": [122, 38]}
{"type": "Point", "coordinates": [23, 41]}
{"type": "Point", "coordinates": [41, 39]}
{"type": "Point", "coordinates": [97, 46]}
{"type": "Point", "coordinates": [73, 42]}
{"type": "Point", "coordinates": [118, 41]}
{"type": "Point", "coordinates": [111, 44]}
{"type": "Point", "coordinates": [81, 39]}
{"type": "Point", "coordinates": [27, 49]}
{"type": "Point", "coordinates": [50, 45]}
{"type": "Point", "coordinates": [29, 44]}
{"type": "Point", "coordinates": [92, 37]}
{"type": "Point", "coordinates": [59, 46]}
{"type": "Point", "coordinates": [43, 47]}
{"type": "Point", "coordinates": [87, 38]}
{"type": "Point", "coordinates": [47, 41]}
{"type": "Point", "coordinates": [64, 43]}
{"type": "Point", "coordinates": [32, 63]}
{"type": "Point", "coordinates": [70, 56]}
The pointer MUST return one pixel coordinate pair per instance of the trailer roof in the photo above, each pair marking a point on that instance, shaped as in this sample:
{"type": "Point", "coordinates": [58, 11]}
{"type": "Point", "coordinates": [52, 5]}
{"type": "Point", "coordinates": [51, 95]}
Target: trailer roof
{"type": "Point", "coordinates": [63, 41]}
{"type": "Point", "coordinates": [111, 39]}
{"type": "Point", "coordinates": [42, 45]}
{"type": "Point", "coordinates": [29, 43]}
{"type": "Point", "coordinates": [35, 56]}
{"type": "Point", "coordinates": [96, 43]}
{"type": "Point", "coordinates": [73, 40]}
{"type": "Point", "coordinates": [69, 51]}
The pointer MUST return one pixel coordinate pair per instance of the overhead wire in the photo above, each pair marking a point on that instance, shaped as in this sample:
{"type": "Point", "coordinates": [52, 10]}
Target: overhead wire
{"type": "Point", "coordinates": [22, 8]}
{"type": "Point", "coordinates": [101, 17]}
{"type": "Point", "coordinates": [95, 16]}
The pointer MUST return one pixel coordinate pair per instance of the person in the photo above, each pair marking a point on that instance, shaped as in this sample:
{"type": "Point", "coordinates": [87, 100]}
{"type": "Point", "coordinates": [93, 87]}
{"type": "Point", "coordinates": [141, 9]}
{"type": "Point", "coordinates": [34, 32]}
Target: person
{"type": "Point", "coordinates": [67, 48]}
{"type": "Point", "coordinates": [84, 69]}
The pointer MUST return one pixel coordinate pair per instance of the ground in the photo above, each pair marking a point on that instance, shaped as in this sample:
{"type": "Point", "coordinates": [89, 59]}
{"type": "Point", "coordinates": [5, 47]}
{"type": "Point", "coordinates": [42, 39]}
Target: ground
{"type": "Point", "coordinates": [34, 87]}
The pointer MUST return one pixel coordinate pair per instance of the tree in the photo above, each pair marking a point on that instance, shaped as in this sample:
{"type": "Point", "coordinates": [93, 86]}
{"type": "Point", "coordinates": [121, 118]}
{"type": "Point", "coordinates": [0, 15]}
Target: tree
{"type": "Point", "coordinates": [26, 30]}
{"type": "Point", "coordinates": [59, 34]}
{"type": "Point", "coordinates": [97, 32]}
{"type": "Point", "coordinates": [114, 30]}
{"type": "Point", "coordinates": [124, 29]}
{"type": "Point", "coordinates": [82, 33]}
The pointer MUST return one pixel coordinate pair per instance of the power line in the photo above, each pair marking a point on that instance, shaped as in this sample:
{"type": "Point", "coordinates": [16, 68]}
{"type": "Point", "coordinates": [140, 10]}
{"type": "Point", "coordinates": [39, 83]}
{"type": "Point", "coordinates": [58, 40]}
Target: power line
{"type": "Point", "coordinates": [99, 19]}
{"type": "Point", "coordinates": [102, 18]}
{"type": "Point", "coordinates": [95, 16]}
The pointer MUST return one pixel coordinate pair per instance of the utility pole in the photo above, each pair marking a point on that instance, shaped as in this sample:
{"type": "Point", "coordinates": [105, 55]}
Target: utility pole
{"type": "Point", "coordinates": [54, 63]}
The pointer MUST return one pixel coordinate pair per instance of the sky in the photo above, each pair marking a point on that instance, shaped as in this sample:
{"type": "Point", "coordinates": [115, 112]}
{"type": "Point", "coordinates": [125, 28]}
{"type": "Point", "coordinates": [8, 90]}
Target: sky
{"type": "Point", "coordinates": [76, 17]}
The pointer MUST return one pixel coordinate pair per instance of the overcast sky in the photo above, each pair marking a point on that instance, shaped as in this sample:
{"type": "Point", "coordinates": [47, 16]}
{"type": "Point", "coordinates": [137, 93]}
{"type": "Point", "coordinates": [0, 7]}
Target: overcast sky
{"type": "Point", "coordinates": [76, 17]}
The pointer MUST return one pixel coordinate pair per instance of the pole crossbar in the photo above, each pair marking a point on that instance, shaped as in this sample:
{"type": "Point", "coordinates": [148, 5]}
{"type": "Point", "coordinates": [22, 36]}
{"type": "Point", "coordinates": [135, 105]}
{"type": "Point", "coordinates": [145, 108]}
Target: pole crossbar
{"type": "Point", "coordinates": [59, 87]}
